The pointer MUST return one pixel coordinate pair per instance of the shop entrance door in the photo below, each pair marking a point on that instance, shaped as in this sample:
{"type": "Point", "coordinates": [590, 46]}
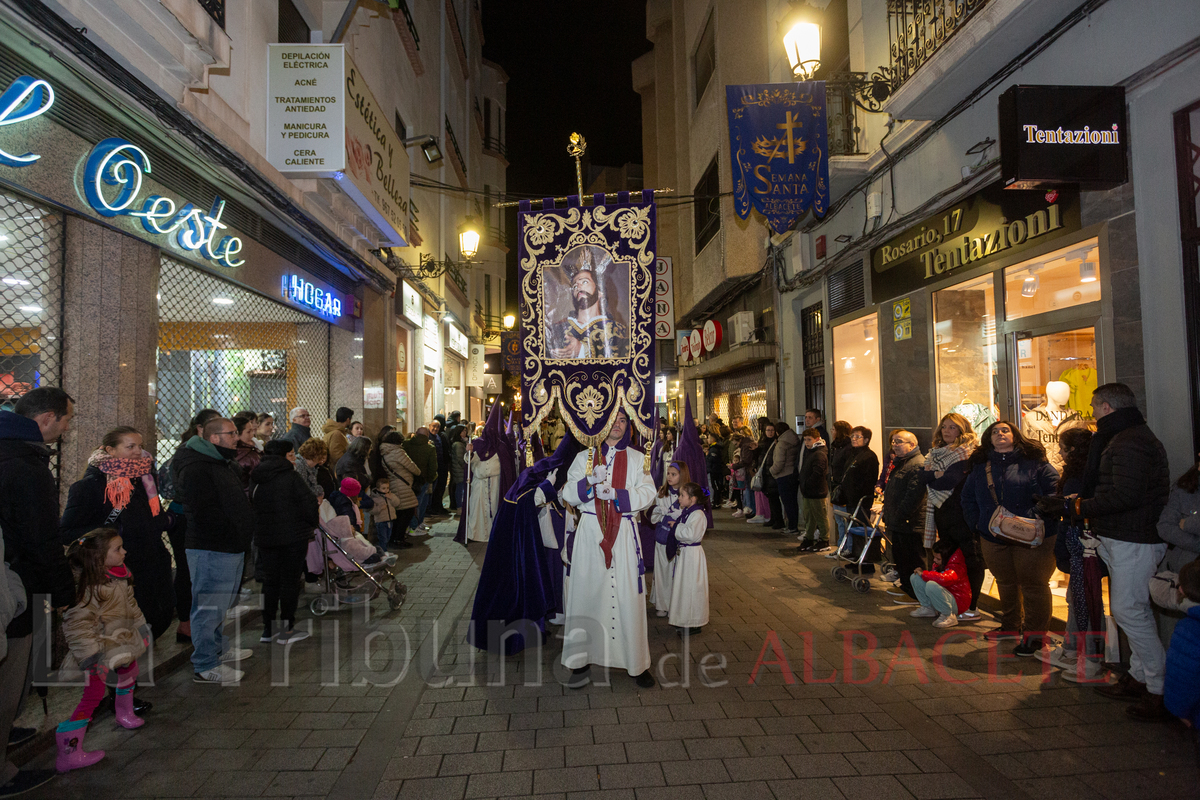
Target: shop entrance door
{"type": "Point", "coordinates": [1054, 373]}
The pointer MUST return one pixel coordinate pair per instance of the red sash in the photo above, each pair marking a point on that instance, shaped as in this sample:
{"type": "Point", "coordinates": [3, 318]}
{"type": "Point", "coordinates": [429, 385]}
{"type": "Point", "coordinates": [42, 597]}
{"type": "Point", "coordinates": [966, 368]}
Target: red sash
{"type": "Point", "coordinates": [607, 513]}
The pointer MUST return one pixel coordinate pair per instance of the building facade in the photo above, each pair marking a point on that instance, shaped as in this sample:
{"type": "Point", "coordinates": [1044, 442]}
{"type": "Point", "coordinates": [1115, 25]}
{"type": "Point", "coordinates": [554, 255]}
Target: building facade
{"type": "Point", "coordinates": [162, 252]}
{"type": "Point", "coordinates": [929, 287]}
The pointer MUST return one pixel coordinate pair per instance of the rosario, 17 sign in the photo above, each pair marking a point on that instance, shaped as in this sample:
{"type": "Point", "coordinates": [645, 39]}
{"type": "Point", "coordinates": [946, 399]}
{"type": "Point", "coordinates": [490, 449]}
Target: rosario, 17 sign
{"type": "Point", "coordinates": [778, 139]}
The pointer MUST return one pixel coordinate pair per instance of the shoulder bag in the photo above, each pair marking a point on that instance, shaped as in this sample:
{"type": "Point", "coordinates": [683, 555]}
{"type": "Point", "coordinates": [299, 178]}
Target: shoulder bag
{"type": "Point", "coordinates": [1006, 525]}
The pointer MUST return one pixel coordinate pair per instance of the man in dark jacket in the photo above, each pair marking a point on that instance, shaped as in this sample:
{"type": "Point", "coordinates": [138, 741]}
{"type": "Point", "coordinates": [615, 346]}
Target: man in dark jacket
{"type": "Point", "coordinates": [1125, 488]}
{"type": "Point", "coordinates": [904, 508]}
{"type": "Point", "coordinates": [815, 419]}
{"type": "Point", "coordinates": [29, 523]}
{"type": "Point", "coordinates": [783, 468]}
{"type": "Point", "coordinates": [814, 493]}
{"type": "Point", "coordinates": [423, 454]}
{"type": "Point", "coordinates": [220, 525]}
{"type": "Point", "coordinates": [285, 515]}
{"type": "Point", "coordinates": [452, 433]}
{"type": "Point", "coordinates": [441, 444]}
{"type": "Point", "coordinates": [301, 430]}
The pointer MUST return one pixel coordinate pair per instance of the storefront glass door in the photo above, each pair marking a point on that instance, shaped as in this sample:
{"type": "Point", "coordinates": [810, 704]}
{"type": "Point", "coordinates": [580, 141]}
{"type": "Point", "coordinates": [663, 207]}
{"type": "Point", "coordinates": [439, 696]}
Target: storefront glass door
{"type": "Point", "coordinates": [1056, 373]}
{"type": "Point", "coordinates": [856, 377]}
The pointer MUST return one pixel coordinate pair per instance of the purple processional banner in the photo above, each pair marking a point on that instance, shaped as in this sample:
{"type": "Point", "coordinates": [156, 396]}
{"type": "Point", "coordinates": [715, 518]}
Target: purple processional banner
{"type": "Point", "coordinates": [778, 135]}
{"type": "Point", "coordinates": [587, 314]}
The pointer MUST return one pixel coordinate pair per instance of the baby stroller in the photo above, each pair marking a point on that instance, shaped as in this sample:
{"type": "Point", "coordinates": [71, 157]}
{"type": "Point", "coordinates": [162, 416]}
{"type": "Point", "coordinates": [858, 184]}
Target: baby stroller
{"type": "Point", "coordinates": [871, 535]}
{"type": "Point", "coordinates": [348, 582]}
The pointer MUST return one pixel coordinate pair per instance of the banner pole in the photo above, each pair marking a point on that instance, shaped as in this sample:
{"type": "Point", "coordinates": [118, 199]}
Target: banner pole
{"type": "Point", "coordinates": [577, 146]}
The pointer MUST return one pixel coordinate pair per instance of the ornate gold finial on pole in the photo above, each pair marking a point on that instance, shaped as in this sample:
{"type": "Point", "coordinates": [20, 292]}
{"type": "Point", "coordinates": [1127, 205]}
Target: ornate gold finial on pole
{"type": "Point", "coordinates": [576, 147]}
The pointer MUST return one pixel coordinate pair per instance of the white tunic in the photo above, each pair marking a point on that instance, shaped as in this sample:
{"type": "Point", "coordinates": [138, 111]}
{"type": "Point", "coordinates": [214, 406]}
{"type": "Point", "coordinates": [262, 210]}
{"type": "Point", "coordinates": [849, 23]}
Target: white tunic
{"type": "Point", "coordinates": [660, 593]}
{"type": "Point", "coordinates": [689, 586]}
{"type": "Point", "coordinates": [606, 607]}
{"type": "Point", "coordinates": [484, 498]}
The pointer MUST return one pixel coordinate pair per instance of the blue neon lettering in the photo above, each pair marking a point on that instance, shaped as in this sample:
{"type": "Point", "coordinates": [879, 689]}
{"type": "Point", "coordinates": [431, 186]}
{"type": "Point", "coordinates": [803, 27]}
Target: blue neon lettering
{"type": "Point", "coordinates": [118, 163]}
{"type": "Point", "coordinates": [24, 99]}
{"type": "Point", "coordinates": [304, 293]}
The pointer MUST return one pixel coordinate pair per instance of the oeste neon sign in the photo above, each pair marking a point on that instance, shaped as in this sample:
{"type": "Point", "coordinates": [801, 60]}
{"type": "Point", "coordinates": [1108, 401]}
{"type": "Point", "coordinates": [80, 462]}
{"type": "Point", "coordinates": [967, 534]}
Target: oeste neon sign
{"type": "Point", "coordinates": [119, 163]}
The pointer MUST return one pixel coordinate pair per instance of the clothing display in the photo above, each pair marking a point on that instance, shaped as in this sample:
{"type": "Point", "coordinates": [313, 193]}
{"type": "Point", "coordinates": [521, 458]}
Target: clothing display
{"type": "Point", "coordinates": [980, 416]}
{"type": "Point", "coordinates": [1043, 425]}
{"type": "Point", "coordinates": [1082, 381]}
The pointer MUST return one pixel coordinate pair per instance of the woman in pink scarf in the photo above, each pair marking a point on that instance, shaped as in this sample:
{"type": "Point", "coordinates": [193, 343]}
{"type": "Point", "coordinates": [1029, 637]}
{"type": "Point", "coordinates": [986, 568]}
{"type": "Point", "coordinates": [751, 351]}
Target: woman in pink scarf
{"type": "Point", "coordinates": [118, 491]}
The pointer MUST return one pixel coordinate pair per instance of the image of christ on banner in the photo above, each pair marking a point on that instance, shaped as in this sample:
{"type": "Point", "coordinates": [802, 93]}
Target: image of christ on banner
{"type": "Point", "coordinates": [586, 302]}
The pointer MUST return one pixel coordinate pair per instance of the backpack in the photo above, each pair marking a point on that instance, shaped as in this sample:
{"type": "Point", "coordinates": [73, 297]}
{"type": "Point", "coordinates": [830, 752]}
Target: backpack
{"type": "Point", "coordinates": [165, 480]}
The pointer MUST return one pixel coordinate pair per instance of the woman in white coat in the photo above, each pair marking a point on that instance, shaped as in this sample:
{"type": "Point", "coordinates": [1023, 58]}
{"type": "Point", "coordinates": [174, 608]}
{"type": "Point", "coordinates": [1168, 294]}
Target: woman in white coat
{"type": "Point", "coordinates": [663, 516]}
{"type": "Point", "coordinates": [689, 584]}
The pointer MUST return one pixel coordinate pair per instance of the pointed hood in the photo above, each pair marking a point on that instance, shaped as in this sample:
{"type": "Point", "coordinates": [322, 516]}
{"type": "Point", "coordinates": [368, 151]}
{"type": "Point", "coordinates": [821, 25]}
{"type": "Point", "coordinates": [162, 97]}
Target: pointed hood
{"type": "Point", "coordinates": [488, 444]}
{"type": "Point", "coordinates": [689, 451]}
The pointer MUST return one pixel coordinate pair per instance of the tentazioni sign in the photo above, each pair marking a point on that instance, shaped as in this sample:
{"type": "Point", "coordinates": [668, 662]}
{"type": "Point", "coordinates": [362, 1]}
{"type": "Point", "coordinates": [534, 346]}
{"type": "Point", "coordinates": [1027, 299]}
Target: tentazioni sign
{"type": "Point", "coordinates": [984, 227]}
{"type": "Point", "coordinates": [1056, 135]}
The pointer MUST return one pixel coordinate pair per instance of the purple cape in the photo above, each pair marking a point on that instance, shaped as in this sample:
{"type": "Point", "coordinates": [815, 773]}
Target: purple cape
{"type": "Point", "coordinates": [689, 451]}
{"type": "Point", "coordinates": [521, 581]}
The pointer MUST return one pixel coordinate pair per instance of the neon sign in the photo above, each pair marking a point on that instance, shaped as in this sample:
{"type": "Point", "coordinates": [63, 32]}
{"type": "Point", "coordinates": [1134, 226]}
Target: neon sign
{"type": "Point", "coordinates": [119, 163]}
{"type": "Point", "coordinates": [24, 99]}
{"type": "Point", "coordinates": [304, 293]}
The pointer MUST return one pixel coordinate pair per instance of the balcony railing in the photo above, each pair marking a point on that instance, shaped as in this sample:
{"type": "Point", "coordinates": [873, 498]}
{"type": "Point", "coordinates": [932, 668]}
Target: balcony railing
{"type": "Point", "coordinates": [454, 144]}
{"type": "Point", "coordinates": [410, 24]}
{"type": "Point", "coordinates": [842, 115]}
{"type": "Point", "coordinates": [215, 9]}
{"type": "Point", "coordinates": [454, 273]}
{"type": "Point", "coordinates": [496, 145]}
{"type": "Point", "coordinates": [918, 28]}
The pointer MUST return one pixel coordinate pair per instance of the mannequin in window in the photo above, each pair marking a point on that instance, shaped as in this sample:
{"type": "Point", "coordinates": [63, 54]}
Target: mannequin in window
{"type": "Point", "coordinates": [1042, 423]}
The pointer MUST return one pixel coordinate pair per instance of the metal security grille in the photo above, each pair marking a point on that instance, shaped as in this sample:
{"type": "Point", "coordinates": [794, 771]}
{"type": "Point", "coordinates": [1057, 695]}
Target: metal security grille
{"type": "Point", "coordinates": [31, 271]}
{"type": "Point", "coordinates": [813, 333]}
{"type": "Point", "coordinates": [740, 394]}
{"type": "Point", "coordinates": [847, 292]}
{"type": "Point", "coordinates": [222, 347]}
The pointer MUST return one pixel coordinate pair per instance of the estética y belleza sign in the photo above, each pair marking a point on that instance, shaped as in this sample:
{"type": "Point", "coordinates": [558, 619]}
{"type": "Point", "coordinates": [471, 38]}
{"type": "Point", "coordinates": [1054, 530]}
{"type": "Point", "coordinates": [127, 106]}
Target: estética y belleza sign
{"type": "Point", "coordinates": [986, 226]}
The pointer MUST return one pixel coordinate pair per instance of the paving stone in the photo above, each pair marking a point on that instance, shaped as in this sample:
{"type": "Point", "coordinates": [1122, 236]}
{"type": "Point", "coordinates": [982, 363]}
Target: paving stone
{"type": "Point", "coordinates": [570, 779]}
{"type": "Point", "coordinates": [805, 789]}
{"type": "Point", "coordinates": [730, 747]}
{"type": "Point", "coordinates": [433, 788]}
{"type": "Point", "coordinates": [691, 729]}
{"type": "Point", "coordinates": [692, 792]}
{"type": "Point", "coordinates": [631, 732]}
{"type": "Point", "coordinates": [941, 787]}
{"type": "Point", "coordinates": [823, 765]}
{"type": "Point", "coordinates": [747, 790]}
{"type": "Point", "coordinates": [701, 771]}
{"type": "Point", "coordinates": [500, 784]}
{"type": "Point", "coordinates": [298, 784]}
{"type": "Point", "coordinates": [592, 716]}
{"type": "Point", "coordinates": [662, 751]}
{"type": "Point", "coordinates": [622, 776]}
{"type": "Point", "coordinates": [472, 763]}
{"type": "Point", "coordinates": [506, 740]}
{"type": "Point", "coordinates": [537, 719]}
{"type": "Point", "coordinates": [758, 768]}
{"type": "Point", "coordinates": [480, 724]}
{"type": "Point", "coordinates": [779, 745]}
{"type": "Point", "coordinates": [591, 754]}
{"type": "Point", "coordinates": [643, 714]}
{"type": "Point", "coordinates": [539, 758]}
{"type": "Point", "coordinates": [745, 726]}
{"type": "Point", "coordinates": [453, 743]}
{"type": "Point", "coordinates": [876, 787]}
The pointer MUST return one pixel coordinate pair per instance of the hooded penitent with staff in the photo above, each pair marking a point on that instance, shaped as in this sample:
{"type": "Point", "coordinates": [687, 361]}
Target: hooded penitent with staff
{"type": "Point", "coordinates": [491, 462]}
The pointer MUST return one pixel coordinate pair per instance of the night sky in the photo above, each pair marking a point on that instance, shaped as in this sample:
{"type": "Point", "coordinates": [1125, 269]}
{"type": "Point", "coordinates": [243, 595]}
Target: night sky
{"type": "Point", "coordinates": [569, 68]}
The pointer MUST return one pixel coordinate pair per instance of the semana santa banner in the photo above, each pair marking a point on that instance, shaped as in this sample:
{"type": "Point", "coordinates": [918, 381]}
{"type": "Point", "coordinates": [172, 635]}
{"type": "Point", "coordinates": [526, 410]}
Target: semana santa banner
{"type": "Point", "coordinates": [778, 136]}
{"type": "Point", "coordinates": [587, 313]}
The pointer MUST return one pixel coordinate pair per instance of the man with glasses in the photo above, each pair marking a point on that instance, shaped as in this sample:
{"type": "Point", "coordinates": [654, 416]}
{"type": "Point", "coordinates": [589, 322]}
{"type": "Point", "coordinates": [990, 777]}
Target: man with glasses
{"type": "Point", "coordinates": [300, 432]}
{"type": "Point", "coordinates": [220, 525]}
{"type": "Point", "coordinates": [904, 509]}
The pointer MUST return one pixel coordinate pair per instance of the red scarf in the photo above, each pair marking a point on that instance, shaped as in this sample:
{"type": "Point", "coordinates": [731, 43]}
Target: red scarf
{"type": "Point", "coordinates": [119, 488]}
{"type": "Point", "coordinates": [606, 510]}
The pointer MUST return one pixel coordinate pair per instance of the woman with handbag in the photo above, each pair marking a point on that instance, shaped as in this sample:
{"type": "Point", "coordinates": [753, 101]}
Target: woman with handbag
{"type": "Point", "coordinates": [388, 459]}
{"type": "Point", "coordinates": [998, 500]}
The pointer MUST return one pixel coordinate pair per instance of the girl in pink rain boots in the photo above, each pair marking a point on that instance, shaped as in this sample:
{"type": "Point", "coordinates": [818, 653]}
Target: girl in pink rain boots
{"type": "Point", "coordinates": [106, 632]}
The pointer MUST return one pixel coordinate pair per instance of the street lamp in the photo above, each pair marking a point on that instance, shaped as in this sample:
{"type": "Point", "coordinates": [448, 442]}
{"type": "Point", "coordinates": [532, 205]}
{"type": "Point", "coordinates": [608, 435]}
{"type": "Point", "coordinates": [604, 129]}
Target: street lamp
{"type": "Point", "coordinates": [509, 321]}
{"type": "Point", "coordinates": [468, 237]}
{"type": "Point", "coordinates": [802, 42]}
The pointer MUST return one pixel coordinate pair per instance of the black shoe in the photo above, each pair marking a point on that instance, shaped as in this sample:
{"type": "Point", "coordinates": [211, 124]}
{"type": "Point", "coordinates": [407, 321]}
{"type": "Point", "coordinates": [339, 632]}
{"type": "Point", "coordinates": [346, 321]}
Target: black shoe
{"type": "Point", "coordinates": [26, 781]}
{"type": "Point", "coordinates": [645, 680]}
{"type": "Point", "coordinates": [580, 678]}
{"type": "Point", "coordinates": [19, 736]}
{"type": "Point", "coordinates": [403, 544]}
{"type": "Point", "coordinates": [1028, 648]}
{"type": "Point", "coordinates": [819, 546]}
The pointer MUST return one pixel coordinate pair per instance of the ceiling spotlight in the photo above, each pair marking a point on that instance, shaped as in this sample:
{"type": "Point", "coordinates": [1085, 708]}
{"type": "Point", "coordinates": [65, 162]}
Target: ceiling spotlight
{"type": "Point", "coordinates": [30, 309]}
{"type": "Point", "coordinates": [868, 334]}
{"type": "Point", "coordinates": [222, 301]}
{"type": "Point", "coordinates": [11, 281]}
{"type": "Point", "coordinates": [1087, 272]}
{"type": "Point", "coordinates": [1030, 286]}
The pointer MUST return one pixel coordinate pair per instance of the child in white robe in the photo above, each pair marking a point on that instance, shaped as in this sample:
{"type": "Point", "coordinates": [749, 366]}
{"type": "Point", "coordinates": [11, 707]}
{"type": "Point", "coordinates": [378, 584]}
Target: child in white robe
{"type": "Point", "coordinates": [689, 581]}
{"type": "Point", "coordinates": [663, 516]}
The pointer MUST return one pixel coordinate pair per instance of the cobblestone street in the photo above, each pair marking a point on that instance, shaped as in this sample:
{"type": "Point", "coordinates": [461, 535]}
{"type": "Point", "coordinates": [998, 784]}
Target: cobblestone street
{"type": "Point", "coordinates": [850, 700]}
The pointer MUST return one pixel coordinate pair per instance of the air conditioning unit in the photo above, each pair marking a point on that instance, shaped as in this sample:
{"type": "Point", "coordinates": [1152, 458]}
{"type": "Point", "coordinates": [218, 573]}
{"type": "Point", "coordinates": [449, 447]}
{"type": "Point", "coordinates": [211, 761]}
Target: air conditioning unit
{"type": "Point", "coordinates": [742, 326]}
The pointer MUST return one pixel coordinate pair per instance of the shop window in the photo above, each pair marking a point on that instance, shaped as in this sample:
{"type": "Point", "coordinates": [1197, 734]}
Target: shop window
{"type": "Point", "coordinates": [31, 268]}
{"type": "Point", "coordinates": [292, 27]}
{"type": "Point", "coordinates": [707, 206]}
{"type": "Point", "coordinates": [402, 389]}
{"type": "Point", "coordinates": [856, 396]}
{"type": "Point", "coordinates": [1064, 278]}
{"type": "Point", "coordinates": [964, 336]}
{"type": "Point", "coordinates": [704, 63]}
{"type": "Point", "coordinates": [740, 394]}
{"type": "Point", "coordinates": [1067, 358]}
{"type": "Point", "coordinates": [222, 347]}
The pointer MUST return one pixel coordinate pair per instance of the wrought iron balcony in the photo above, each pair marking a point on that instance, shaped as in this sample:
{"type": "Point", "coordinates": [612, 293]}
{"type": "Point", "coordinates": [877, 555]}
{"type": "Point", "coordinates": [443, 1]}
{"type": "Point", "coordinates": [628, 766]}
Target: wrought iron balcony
{"type": "Point", "coordinates": [410, 24]}
{"type": "Point", "coordinates": [215, 9]}
{"type": "Point", "coordinates": [842, 114]}
{"type": "Point", "coordinates": [454, 273]}
{"type": "Point", "coordinates": [494, 144]}
{"type": "Point", "coordinates": [918, 28]}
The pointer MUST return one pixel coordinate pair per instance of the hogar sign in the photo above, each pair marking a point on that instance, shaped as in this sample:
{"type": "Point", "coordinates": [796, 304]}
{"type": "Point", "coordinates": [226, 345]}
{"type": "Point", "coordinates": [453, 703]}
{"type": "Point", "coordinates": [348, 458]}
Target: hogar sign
{"type": "Point", "coordinates": [119, 163]}
{"type": "Point", "coordinates": [301, 291]}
